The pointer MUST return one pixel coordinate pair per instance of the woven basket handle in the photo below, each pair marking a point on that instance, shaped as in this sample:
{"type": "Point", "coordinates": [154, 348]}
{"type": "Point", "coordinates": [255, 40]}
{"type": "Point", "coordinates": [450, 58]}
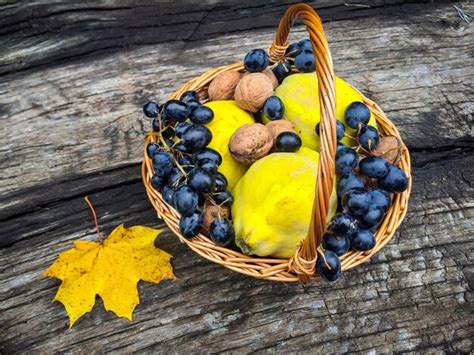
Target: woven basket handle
{"type": "Point", "coordinates": [304, 260]}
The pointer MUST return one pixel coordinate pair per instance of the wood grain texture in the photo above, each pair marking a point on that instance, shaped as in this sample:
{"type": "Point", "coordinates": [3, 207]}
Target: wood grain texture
{"type": "Point", "coordinates": [71, 126]}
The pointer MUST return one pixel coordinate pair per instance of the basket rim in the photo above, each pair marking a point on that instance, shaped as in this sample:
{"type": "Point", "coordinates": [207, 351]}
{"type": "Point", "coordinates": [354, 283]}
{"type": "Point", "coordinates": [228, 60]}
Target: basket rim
{"type": "Point", "coordinates": [271, 268]}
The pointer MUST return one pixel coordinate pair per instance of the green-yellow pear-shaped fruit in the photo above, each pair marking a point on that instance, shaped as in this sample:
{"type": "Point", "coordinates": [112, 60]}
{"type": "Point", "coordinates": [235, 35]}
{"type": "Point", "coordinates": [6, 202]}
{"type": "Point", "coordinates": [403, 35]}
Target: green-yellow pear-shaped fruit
{"type": "Point", "coordinates": [299, 94]}
{"type": "Point", "coordinates": [227, 118]}
{"type": "Point", "coordinates": [273, 203]}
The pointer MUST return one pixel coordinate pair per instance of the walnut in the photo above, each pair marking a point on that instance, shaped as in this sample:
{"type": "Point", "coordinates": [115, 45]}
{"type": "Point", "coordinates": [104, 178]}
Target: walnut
{"type": "Point", "coordinates": [389, 148]}
{"type": "Point", "coordinates": [211, 212]}
{"type": "Point", "coordinates": [250, 143]}
{"type": "Point", "coordinates": [280, 126]}
{"type": "Point", "coordinates": [270, 75]}
{"type": "Point", "coordinates": [252, 91]}
{"type": "Point", "coordinates": [222, 87]}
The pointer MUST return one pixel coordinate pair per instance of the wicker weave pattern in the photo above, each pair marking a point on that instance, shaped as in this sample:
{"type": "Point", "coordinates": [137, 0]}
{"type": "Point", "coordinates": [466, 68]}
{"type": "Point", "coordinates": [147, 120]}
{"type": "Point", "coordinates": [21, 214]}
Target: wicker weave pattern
{"type": "Point", "coordinates": [302, 266]}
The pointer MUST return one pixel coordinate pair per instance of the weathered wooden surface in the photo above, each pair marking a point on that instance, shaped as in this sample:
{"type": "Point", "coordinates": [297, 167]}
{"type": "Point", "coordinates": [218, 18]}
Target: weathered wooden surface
{"type": "Point", "coordinates": [72, 81]}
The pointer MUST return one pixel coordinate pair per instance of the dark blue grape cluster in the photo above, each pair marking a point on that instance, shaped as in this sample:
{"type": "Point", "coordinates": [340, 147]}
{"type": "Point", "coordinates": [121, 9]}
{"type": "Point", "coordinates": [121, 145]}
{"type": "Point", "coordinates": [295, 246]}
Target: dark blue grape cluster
{"type": "Point", "coordinates": [363, 208]}
{"type": "Point", "coordinates": [301, 53]}
{"type": "Point", "coordinates": [185, 168]}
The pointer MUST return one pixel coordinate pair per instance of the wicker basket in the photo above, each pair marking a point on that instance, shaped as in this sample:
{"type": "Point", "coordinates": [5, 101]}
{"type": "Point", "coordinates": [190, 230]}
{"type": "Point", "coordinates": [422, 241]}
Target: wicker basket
{"type": "Point", "coordinates": [301, 267]}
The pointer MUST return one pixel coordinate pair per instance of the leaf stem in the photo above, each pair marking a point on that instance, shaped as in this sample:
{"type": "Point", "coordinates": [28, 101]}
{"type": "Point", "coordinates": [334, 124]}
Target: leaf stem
{"type": "Point", "coordinates": [89, 203]}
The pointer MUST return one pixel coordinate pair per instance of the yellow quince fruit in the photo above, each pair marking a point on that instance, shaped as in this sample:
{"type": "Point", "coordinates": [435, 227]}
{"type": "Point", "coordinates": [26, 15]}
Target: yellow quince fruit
{"type": "Point", "coordinates": [227, 118]}
{"type": "Point", "coordinates": [299, 94]}
{"type": "Point", "coordinates": [273, 203]}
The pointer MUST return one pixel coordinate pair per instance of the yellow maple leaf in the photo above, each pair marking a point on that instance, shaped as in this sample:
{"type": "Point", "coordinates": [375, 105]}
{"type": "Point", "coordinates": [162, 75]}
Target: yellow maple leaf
{"type": "Point", "coordinates": [110, 269]}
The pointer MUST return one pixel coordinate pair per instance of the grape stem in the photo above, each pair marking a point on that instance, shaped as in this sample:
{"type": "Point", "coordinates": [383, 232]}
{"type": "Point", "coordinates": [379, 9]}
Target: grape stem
{"type": "Point", "coordinates": [160, 137]}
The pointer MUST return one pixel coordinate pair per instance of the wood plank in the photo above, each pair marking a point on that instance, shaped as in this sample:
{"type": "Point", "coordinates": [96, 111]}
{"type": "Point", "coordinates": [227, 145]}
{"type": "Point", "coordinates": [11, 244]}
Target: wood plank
{"type": "Point", "coordinates": [413, 295]}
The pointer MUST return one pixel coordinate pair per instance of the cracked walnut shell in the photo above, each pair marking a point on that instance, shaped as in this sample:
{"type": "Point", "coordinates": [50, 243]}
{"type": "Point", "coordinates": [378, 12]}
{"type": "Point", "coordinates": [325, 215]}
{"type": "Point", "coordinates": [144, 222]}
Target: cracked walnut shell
{"type": "Point", "coordinates": [250, 143]}
{"type": "Point", "coordinates": [252, 91]}
{"type": "Point", "coordinates": [222, 87]}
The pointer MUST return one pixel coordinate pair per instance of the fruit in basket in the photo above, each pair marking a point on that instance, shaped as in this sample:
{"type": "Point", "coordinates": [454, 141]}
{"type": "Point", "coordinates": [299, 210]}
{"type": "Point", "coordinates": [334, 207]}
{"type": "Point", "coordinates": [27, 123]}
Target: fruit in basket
{"type": "Point", "coordinates": [175, 110]}
{"type": "Point", "coordinates": [368, 137]}
{"type": "Point", "coordinates": [186, 200]}
{"type": "Point", "coordinates": [228, 117]}
{"type": "Point", "coordinates": [211, 212]}
{"type": "Point", "coordinates": [346, 160]}
{"type": "Point", "coordinates": [395, 181]}
{"type": "Point", "coordinates": [223, 197]}
{"type": "Point", "coordinates": [162, 163]}
{"type": "Point", "coordinates": [357, 113]}
{"type": "Point", "coordinates": [188, 96]}
{"type": "Point", "coordinates": [342, 224]}
{"type": "Point", "coordinates": [279, 126]}
{"type": "Point", "coordinates": [340, 130]}
{"type": "Point", "coordinates": [222, 87]}
{"type": "Point", "coordinates": [250, 143]}
{"type": "Point", "coordinates": [191, 225]}
{"type": "Point", "coordinates": [339, 244]}
{"type": "Point", "coordinates": [305, 61]}
{"type": "Point", "coordinates": [299, 94]}
{"type": "Point", "coordinates": [328, 266]}
{"type": "Point", "coordinates": [271, 76]}
{"type": "Point", "coordinates": [273, 108]}
{"type": "Point", "coordinates": [281, 71]}
{"type": "Point", "coordinates": [372, 218]}
{"type": "Point", "coordinates": [196, 137]}
{"type": "Point", "coordinates": [151, 109]}
{"type": "Point", "coordinates": [201, 115]}
{"type": "Point", "coordinates": [201, 180]}
{"type": "Point", "coordinates": [256, 60]}
{"type": "Point", "coordinates": [292, 50]}
{"type": "Point", "coordinates": [373, 167]}
{"type": "Point", "coordinates": [222, 231]}
{"type": "Point", "coordinates": [348, 182]}
{"type": "Point", "coordinates": [356, 202]}
{"type": "Point", "coordinates": [273, 203]}
{"type": "Point", "coordinates": [287, 142]}
{"type": "Point", "coordinates": [252, 91]}
{"type": "Point", "coordinates": [362, 240]}
{"type": "Point", "coordinates": [381, 198]}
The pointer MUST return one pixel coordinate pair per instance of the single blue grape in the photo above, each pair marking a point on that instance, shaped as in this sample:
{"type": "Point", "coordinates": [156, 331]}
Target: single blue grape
{"type": "Point", "coordinates": [273, 108]}
{"type": "Point", "coordinates": [337, 244]}
{"type": "Point", "coordinates": [305, 62]}
{"type": "Point", "coordinates": [328, 266]}
{"type": "Point", "coordinates": [202, 115]}
{"type": "Point", "coordinates": [395, 181]}
{"type": "Point", "coordinates": [256, 60]}
{"type": "Point", "coordinates": [356, 202]}
{"type": "Point", "coordinates": [186, 200]}
{"type": "Point", "coordinates": [191, 225]}
{"type": "Point", "coordinates": [368, 137]}
{"type": "Point", "coordinates": [381, 198]}
{"type": "Point", "coordinates": [342, 224]}
{"type": "Point", "coordinates": [362, 240]}
{"type": "Point", "coordinates": [287, 142]}
{"type": "Point", "coordinates": [189, 96]}
{"type": "Point", "coordinates": [357, 113]}
{"type": "Point", "coordinates": [281, 71]}
{"type": "Point", "coordinates": [374, 167]}
{"type": "Point", "coordinates": [346, 160]}
{"type": "Point", "coordinates": [151, 109]}
{"type": "Point", "coordinates": [222, 231]}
